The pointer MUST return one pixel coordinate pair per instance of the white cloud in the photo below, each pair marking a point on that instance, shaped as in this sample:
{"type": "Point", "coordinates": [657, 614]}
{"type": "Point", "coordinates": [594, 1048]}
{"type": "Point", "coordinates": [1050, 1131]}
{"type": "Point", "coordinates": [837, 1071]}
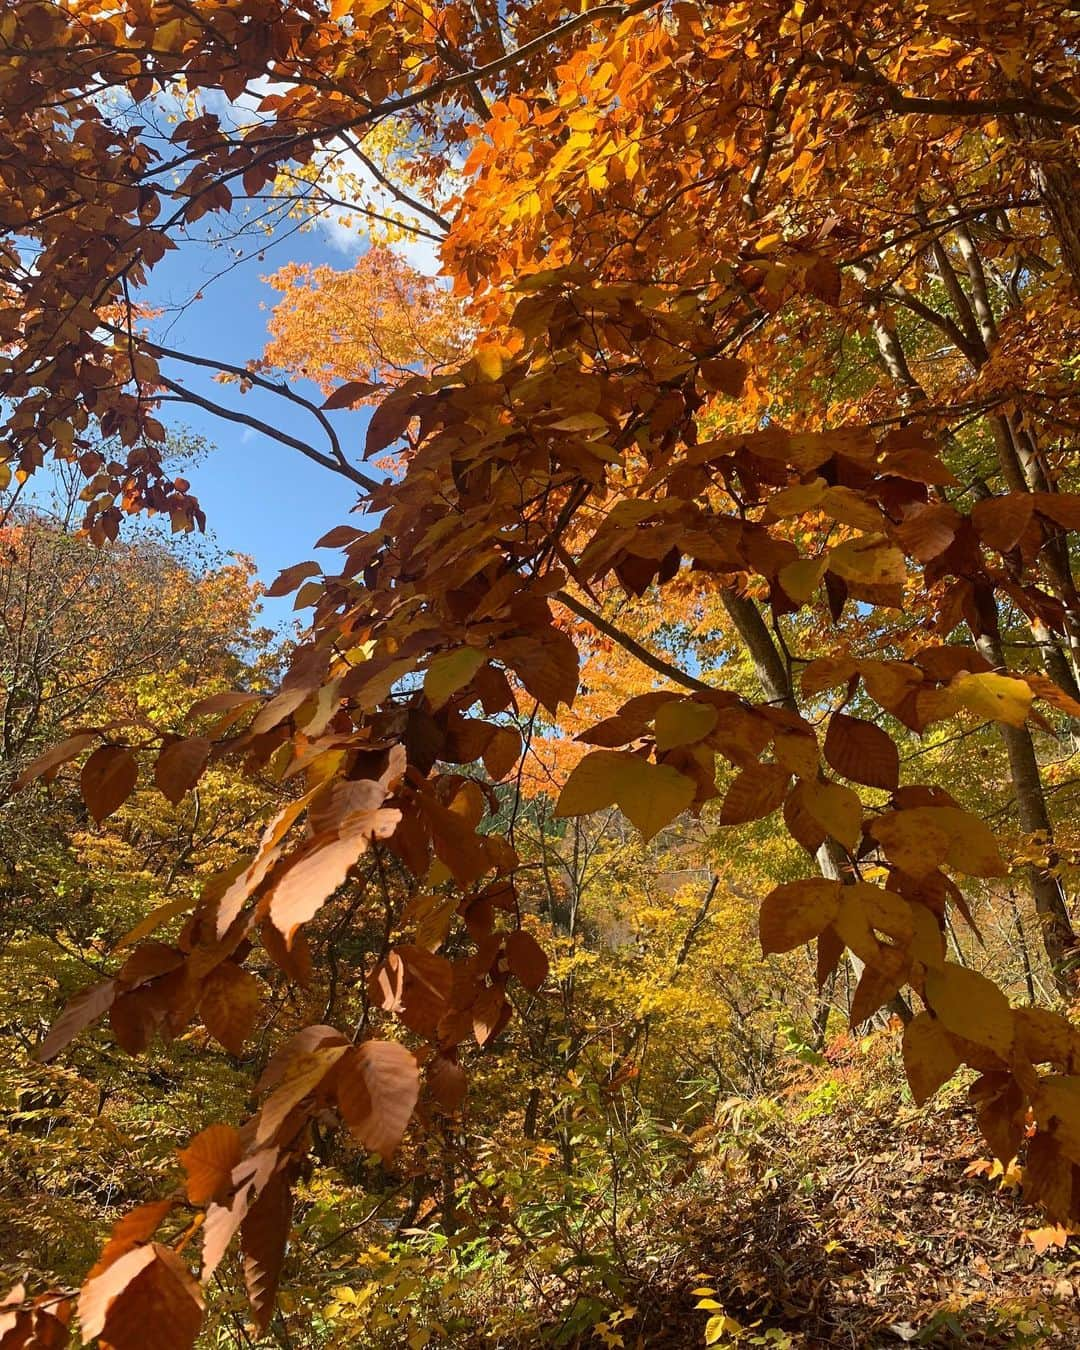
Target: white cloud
{"type": "Point", "coordinates": [351, 236]}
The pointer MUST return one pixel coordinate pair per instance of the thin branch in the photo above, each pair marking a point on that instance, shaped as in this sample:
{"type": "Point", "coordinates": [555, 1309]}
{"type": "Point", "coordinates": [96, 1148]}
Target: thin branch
{"type": "Point", "coordinates": [624, 640]}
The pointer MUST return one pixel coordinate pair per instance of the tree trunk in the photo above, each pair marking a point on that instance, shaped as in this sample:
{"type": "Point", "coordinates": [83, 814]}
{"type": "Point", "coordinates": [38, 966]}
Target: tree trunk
{"type": "Point", "coordinates": [1046, 889]}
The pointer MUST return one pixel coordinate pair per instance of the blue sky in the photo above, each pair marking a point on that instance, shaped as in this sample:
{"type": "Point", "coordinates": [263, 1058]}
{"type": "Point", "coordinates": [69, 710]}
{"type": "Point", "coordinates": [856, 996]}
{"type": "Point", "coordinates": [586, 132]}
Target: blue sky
{"type": "Point", "coordinates": [260, 498]}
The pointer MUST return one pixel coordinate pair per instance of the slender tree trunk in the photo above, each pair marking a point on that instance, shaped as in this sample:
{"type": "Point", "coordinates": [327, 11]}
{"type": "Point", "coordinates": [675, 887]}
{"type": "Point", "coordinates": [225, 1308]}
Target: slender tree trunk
{"type": "Point", "coordinates": [1023, 471]}
{"type": "Point", "coordinates": [1054, 170]}
{"type": "Point", "coordinates": [1046, 889]}
{"type": "Point", "coordinates": [1025, 953]}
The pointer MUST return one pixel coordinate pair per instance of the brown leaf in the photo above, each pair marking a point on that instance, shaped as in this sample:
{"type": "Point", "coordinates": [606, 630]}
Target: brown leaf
{"type": "Point", "coordinates": [822, 280]}
{"type": "Point", "coordinates": [180, 765]}
{"type": "Point", "coordinates": [303, 1075]}
{"type": "Point", "coordinates": [502, 752]}
{"type": "Point", "coordinates": [826, 672]}
{"type": "Point", "coordinates": [802, 826]}
{"type": "Point", "coordinates": [490, 1013]}
{"type": "Point", "coordinates": [1000, 522]}
{"type": "Point", "coordinates": [301, 1043]}
{"type": "Point", "coordinates": [148, 1287]}
{"type": "Point", "coordinates": [862, 752]}
{"type": "Point", "coordinates": [526, 959]}
{"type": "Point", "coordinates": [289, 578]}
{"type": "Point", "coordinates": [224, 702]}
{"type": "Point", "coordinates": [53, 758]}
{"type": "Point", "coordinates": [108, 780]}
{"type": "Point", "coordinates": [447, 1082]}
{"type": "Point", "coordinates": [322, 867]}
{"type": "Point", "coordinates": [209, 1161]}
{"type": "Point", "coordinates": [83, 1009]}
{"type": "Point", "coordinates": [930, 1058]}
{"type": "Point", "coordinates": [263, 1236]}
{"type": "Point", "coordinates": [377, 1087]}
{"type": "Point", "coordinates": [547, 666]}
{"type": "Point", "coordinates": [223, 1221]}
{"type": "Point", "coordinates": [836, 809]}
{"type": "Point", "coordinates": [1043, 687]}
{"type": "Point", "coordinates": [134, 1228]}
{"type": "Point", "coordinates": [349, 394]}
{"type": "Point", "coordinates": [415, 985]}
{"type": "Point", "coordinates": [388, 423]}
{"type": "Point", "coordinates": [794, 913]}
{"type": "Point", "coordinates": [724, 375]}
{"type": "Point", "coordinates": [754, 792]}
{"type": "Point", "coordinates": [230, 1003]}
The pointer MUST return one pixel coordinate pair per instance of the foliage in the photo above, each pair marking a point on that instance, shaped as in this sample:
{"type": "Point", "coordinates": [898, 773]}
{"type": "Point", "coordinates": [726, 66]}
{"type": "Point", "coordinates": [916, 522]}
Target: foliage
{"type": "Point", "coordinates": [768, 315]}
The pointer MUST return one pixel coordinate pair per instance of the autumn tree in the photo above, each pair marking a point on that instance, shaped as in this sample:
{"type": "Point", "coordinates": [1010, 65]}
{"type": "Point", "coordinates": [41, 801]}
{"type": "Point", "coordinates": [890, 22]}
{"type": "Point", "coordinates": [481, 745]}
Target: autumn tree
{"type": "Point", "coordinates": [364, 331]}
{"type": "Point", "coordinates": [121, 636]}
{"type": "Point", "coordinates": [674, 223]}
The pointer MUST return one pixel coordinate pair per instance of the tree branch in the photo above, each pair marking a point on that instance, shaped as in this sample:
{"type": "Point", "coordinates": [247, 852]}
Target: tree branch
{"type": "Point", "coordinates": [631, 645]}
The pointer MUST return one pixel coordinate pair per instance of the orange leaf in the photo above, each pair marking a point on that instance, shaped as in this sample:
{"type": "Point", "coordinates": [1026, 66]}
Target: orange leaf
{"type": "Point", "coordinates": [209, 1160]}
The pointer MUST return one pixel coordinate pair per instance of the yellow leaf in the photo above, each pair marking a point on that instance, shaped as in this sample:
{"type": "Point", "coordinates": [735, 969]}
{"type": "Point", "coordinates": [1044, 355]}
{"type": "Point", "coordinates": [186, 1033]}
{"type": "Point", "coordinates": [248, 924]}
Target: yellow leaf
{"type": "Point", "coordinates": [649, 795]}
{"type": "Point", "coordinates": [683, 722]}
{"type": "Point", "coordinates": [869, 560]}
{"type": "Point", "coordinates": [836, 809]}
{"type": "Point", "coordinates": [449, 672]}
{"type": "Point", "coordinates": [490, 362]}
{"type": "Point", "coordinates": [970, 1005]}
{"type": "Point", "coordinates": [794, 500]}
{"type": "Point", "coordinates": [800, 580]}
{"type": "Point", "coordinates": [996, 697]}
{"type": "Point", "coordinates": [930, 1057]}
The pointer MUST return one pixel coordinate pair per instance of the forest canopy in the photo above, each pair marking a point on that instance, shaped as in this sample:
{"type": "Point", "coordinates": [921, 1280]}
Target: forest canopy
{"type": "Point", "coordinates": [688, 693]}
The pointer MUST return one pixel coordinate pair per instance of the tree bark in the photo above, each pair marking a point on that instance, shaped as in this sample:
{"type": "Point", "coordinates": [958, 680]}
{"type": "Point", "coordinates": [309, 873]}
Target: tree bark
{"type": "Point", "coordinates": [1046, 889]}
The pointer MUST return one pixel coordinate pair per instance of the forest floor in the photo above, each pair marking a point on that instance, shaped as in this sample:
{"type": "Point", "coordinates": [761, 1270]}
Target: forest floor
{"type": "Point", "coordinates": [867, 1230]}
{"type": "Point", "coordinates": [844, 1218]}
